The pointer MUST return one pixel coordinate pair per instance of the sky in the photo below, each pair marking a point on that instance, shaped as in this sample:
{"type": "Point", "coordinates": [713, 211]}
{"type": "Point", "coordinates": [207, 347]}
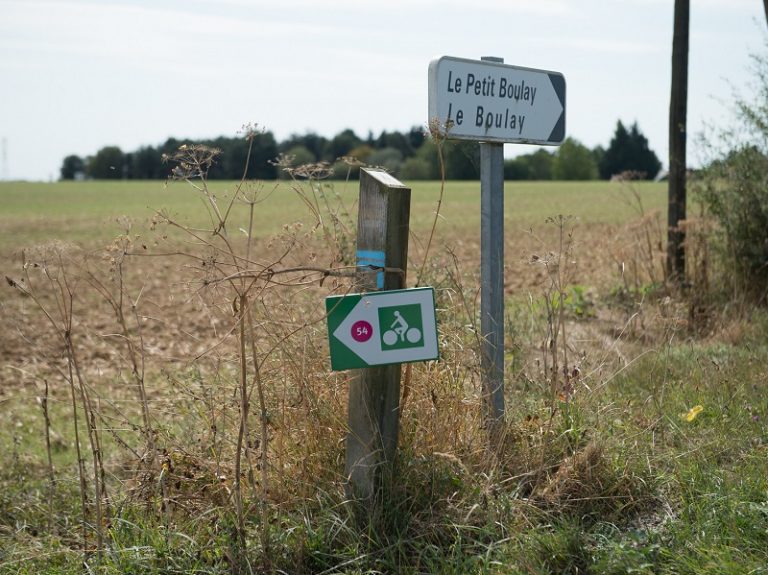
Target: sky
{"type": "Point", "coordinates": [78, 75]}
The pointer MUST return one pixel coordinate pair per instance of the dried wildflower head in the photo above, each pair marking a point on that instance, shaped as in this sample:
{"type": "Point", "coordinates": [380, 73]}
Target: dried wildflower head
{"type": "Point", "coordinates": [192, 161]}
{"type": "Point", "coordinates": [251, 130]}
{"type": "Point", "coordinates": [439, 130]}
{"type": "Point", "coordinates": [284, 162]}
{"type": "Point", "coordinates": [351, 161]}
{"type": "Point", "coordinates": [629, 176]}
{"type": "Point", "coordinates": [313, 171]}
{"type": "Point", "coordinates": [125, 223]}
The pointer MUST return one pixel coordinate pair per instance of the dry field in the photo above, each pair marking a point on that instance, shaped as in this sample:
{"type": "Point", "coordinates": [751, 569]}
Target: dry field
{"type": "Point", "coordinates": [169, 404]}
{"type": "Point", "coordinates": [605, 228]}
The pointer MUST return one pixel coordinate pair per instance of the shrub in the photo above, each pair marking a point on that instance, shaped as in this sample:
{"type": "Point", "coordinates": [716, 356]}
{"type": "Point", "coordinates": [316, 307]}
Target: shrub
{"type": "Point", "coordinates": [734, 190]}
{"type": "Point", "coordinates": [390, 159]}
{"type": "Point", "coordinates": [416, 169]}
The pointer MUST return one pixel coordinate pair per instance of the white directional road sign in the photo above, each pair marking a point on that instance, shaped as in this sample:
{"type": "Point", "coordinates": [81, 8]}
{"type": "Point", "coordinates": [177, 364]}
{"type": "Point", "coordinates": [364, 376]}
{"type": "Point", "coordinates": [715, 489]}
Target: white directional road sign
{"type": "Point", "coordinates": [380, 328]}
{"type": "Point", "coordinates": [494, 102]}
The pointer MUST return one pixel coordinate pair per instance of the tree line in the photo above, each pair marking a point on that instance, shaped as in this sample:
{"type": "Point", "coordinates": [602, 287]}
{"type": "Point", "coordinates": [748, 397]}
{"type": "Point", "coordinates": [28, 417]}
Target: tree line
{"type": "Point", "coordinates": [410, 155]}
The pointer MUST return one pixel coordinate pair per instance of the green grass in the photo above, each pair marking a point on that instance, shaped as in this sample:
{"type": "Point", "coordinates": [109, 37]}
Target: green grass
{"type": "Point", "coordinates": [532, 202]}
{"type": "Point", "coordinates": [701, 488]}
{"type": "Point", "coordinates": [86, 212]}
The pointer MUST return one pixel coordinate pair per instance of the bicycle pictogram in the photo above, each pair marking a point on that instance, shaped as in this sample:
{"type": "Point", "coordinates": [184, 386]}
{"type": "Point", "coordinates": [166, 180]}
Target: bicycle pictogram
{"type": "Point", "coordinates": [401, 327]}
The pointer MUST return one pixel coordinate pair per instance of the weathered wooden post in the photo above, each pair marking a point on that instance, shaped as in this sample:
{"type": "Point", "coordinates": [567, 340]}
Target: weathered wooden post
{"type": "Point", "coordinates": [374, 393]}
{"type": "Point", "coordinates": [678, 111]}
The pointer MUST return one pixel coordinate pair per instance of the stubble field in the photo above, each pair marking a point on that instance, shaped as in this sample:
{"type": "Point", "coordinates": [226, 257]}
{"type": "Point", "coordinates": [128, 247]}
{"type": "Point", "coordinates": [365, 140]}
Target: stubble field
{"type": "Point", "coordinates": [607, 222]}
{"type": "Point", "coordinates": [184, 363]}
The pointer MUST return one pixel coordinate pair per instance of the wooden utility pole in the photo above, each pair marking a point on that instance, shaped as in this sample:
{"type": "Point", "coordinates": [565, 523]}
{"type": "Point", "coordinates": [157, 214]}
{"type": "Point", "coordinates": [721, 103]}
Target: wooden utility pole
{"type": "Point", "coordinates": [677, 140]}
{"type": "Point", "coordinates": [374, 393]}
{"type": "Point", "coordinates": [765, 6]}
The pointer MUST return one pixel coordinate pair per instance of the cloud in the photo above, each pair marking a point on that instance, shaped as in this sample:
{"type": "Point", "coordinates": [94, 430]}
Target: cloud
{"type": "Point", "coordinates": [604, 46]}
{"type": "Point", "coordinates": [168, 38]}
{"type": "Point", "coordinates": [546, 7]}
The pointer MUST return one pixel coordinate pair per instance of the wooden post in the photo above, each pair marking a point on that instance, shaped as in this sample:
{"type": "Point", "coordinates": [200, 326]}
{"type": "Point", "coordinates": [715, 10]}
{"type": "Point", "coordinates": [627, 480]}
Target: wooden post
{"type": "Point", "coordinates": [678, 107]}
{"type": "Point", "coordinates": [374, 393]}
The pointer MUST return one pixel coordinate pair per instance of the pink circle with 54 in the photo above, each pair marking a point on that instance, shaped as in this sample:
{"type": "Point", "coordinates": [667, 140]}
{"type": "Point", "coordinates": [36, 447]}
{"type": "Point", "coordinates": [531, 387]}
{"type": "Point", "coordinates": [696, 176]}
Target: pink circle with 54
{"type": "Point", "coordinates": [362, 331]}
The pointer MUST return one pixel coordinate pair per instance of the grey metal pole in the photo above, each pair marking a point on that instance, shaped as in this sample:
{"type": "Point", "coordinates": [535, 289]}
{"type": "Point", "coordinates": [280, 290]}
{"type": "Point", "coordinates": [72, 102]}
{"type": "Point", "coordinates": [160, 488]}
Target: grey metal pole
{"type": "Point", "coordinates": [492, 276]}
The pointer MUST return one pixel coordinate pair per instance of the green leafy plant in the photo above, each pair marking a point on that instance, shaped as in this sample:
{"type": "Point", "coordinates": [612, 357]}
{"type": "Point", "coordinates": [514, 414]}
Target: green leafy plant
{"type": "Point", "coordinates": [734, 190]}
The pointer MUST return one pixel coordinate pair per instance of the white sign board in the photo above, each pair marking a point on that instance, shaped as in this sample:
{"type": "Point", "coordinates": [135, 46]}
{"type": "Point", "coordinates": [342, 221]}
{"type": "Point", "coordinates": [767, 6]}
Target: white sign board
{"type": "Point", "coordinates": [380, 328]}
{"type": "Point", "coordinates": [494, 102]}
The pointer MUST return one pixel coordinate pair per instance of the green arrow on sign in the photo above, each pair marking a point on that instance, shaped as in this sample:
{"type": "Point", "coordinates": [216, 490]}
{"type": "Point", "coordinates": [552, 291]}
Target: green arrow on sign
{"type": "Point", "coordinates": [381, 328]}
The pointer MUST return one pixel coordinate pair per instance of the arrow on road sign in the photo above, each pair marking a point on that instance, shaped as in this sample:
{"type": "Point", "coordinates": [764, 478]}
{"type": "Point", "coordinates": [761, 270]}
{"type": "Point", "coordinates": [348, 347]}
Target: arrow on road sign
{"type": "Point", "coordinates": [381, 328]}
{"type": "Point", "coordinates": [493, 102]}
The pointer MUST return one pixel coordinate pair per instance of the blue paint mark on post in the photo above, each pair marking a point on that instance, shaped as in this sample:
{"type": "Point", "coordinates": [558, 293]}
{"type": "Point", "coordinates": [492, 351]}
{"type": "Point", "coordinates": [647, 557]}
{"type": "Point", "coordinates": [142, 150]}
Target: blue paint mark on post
{"type": "Point", "coordinates": [368, 258]}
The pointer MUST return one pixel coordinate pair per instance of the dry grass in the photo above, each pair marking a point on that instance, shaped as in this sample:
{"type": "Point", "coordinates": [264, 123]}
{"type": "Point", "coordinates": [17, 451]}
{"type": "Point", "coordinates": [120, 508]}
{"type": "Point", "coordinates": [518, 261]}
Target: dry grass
{"type": "Point", "coordinates": [200, 357]}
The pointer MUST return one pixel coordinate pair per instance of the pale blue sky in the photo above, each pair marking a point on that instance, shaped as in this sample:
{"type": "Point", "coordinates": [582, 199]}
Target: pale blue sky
{"type": "Point", "coordinates": [76, 75]}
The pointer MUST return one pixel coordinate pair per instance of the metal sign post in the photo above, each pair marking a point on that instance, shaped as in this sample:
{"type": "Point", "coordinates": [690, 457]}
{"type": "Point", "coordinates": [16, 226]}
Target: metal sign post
{"type": "Point", "coordinates": [492, 275]}
{"type": "Point", "coordinates": [492, 103]}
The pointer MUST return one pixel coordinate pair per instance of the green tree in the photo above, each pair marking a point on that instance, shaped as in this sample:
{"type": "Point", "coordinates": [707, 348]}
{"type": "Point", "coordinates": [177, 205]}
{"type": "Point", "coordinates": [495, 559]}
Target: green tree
{"type": "Point", "coordinates": [459, 161]}
{"type": "Point", "coordinates": [535, 166]}
{"type": "Point", "coordinates": [417, 136]}
{"type": "Point", "coordinates": [341, 144]}
{"type": "Point", "coordinates": [311, 141]}
{"type": "Point", "coordinates": [169, 146]}
{"type": "Point", "coordinates": [462, 160]}
{"type": "Point", "coordinates": [301, 155]}
{"type": "Point", "coordinates": [72, 168]}
{"type": "Point", "coordinates": [416, 169]}
{"type": "Point", "coordinates": [540, 165]}
{"type": "Point", "coordinates": [147, 164]}
{"type": "Point", "coordinates": [516, 168]}
{"type": "Point", "coordinates": [234, 156]}
{"type": "Point", "coordinates": [391, 159]}
{"type": "Point", "coordinates": [598, 153]}
{"type": "Point", "coordinates": [574, 161]}
{"type": "Point", "coordinates": [107, 164]}
{"type": "Point", "coordinates": [426, 161]}
{"type": "Point", "coordinates": [629, 150]}
{"type": "Point", "coordinates": [395, 140]}
{"type": "Point", "coordinates": [361, 153]}
{"type": "Point", "coordinates": [348, 166]}
{"type": "Point", "coordinates": [734, 190]}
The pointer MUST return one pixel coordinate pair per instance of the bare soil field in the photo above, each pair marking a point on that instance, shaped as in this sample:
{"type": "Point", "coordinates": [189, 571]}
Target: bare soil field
{"type": "Point", "coordinates": [169, 287]}
{"type": "Point", "coordinates": [179, 322]}
{"type": "Point", "coordinates": [158, 369]}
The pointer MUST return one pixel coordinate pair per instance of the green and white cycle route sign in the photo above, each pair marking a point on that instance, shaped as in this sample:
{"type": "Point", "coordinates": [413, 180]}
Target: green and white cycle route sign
{"type": "Point", "coordinates": [381, 328]}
